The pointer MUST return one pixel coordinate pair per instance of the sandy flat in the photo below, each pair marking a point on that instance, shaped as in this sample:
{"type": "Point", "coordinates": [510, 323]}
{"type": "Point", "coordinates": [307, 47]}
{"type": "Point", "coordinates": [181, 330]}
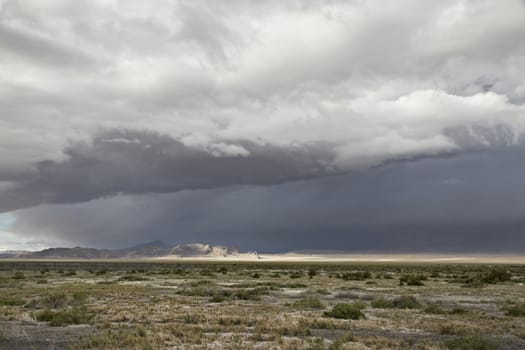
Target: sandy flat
{"type": "Point", "coordinates": [379, 258]}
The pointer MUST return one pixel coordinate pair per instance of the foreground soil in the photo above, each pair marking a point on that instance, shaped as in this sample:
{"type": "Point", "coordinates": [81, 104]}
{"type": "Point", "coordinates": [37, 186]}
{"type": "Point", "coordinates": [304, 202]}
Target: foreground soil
{"type": "Point", "coordinates": [261, 305]}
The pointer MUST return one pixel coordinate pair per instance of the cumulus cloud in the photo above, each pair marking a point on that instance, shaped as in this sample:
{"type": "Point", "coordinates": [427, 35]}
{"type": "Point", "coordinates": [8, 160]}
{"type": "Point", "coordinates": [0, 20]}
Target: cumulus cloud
{"type": "Point", "coordinates": [285, 73]}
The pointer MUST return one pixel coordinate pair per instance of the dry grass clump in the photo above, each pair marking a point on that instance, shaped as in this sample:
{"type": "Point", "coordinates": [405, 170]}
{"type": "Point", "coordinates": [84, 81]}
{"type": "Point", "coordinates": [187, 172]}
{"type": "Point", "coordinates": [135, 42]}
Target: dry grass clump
{"type": "Point", "coordinates": [472, 342]}
{"type": "Point", "coordinates": [308, 303]}
{"type": "Point", "coordinates": [64, 317]}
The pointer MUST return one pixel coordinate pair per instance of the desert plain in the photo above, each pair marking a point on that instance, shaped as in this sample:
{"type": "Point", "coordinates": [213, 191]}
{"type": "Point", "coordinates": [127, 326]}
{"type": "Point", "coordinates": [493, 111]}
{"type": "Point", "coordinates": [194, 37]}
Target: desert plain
{"type": "Point", "coordinates": [267, 302]}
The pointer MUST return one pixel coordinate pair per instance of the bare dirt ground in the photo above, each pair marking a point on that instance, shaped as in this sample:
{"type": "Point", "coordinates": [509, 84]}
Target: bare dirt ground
{"type": "Point", "coordinates": [364, 258]}
{"type": "Point", "coordinates": [263, 304]}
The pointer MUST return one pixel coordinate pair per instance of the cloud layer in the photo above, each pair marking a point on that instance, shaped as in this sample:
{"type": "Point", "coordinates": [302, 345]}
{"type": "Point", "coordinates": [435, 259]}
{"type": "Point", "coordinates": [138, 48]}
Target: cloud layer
{"type": "Point", "coordinates": [107, 97]}
{"type": "Point", "coordinates": [137, 162]}
{"type": "Point", "coordinates": [472, 202]}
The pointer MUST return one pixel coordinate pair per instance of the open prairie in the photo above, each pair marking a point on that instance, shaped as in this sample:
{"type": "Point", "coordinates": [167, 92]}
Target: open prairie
{"type": "Point", "coordinates": [270, 305]}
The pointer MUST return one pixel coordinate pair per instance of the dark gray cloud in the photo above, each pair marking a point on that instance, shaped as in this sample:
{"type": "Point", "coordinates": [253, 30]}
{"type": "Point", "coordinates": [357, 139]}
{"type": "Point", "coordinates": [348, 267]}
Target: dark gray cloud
{"type": "Point", "coordinates": [137, 162]}
{"type": "Point", "coordinates": [469, 202]}
{"type": "Point", "coordinates": [132, 162]}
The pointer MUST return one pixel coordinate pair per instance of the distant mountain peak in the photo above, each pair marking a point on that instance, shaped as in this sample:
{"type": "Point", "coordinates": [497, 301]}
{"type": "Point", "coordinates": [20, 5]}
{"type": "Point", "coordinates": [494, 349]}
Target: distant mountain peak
{"type": "Point", "coordinates": [152, 249]}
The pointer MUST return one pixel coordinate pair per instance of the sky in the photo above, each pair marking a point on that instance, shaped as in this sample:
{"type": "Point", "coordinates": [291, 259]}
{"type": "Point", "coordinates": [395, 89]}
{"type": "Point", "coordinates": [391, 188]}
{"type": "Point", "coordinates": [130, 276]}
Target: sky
{"type": "Point", "coordinates": [263, 125]}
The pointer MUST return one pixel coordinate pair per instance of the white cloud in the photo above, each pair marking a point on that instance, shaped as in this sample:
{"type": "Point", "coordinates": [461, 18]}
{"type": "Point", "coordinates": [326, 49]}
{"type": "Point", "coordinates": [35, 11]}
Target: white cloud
{"type": "Point", "coordinates": [379, 80]}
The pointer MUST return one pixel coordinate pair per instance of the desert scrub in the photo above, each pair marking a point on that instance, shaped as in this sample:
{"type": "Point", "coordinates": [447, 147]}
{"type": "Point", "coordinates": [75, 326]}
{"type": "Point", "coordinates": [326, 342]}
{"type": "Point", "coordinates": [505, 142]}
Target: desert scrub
{"type": "Point", "coordinates": [472, 342]}
{"type": "Point", "coordinates": [354, 276]}
{"type": "Point", "coordinates": [121, 339]}
{"type": "Point", "coordinates": [402, 302]}
{"type": "Point", "coordinates": [339, 343]}
{"type": "Point", "coordinates": [19, 276]}
{"type": "Point", "coordinates": [52, 301]}
{"type": "Point", "coordinates": [458, 311]}
{"type": "Point", "coordinates": [308, 303]}
{"type": "Point", "coordinates": [312, 273]}
{"type": "Point", "coordinates": [382, 303]}
{"type": "Point", "coordinates": [434, 309]}
{"type": "Point", "coordinates": [132, 278]}
{"type": "Point", "coordinates": [496, 276]}
{"type": "Point", "coordinates": [58, 300]}
{"type": "Point", "coordinates": [316, 343]}
{"type": "Point", "coordinates": [517, 310]}
{"type": "Point", "coordinates": [412, 280]}
{"type": "Point", "coordinates": [11, 301]}
{"type": "Point", "coordinates": [251, 294]}
{"type": "Point", "coordinates": [193, 318]}
{"type": "Point", "coordinates": [296, 274]}
{"type": "Point", "coordinates": [217, 298]}
{"type": "Point", "coordinates": [406, 302]}
{"type": "Point", "coordinates": [346, 311]}
{"type": "Point", "coordinates": [64, 317]}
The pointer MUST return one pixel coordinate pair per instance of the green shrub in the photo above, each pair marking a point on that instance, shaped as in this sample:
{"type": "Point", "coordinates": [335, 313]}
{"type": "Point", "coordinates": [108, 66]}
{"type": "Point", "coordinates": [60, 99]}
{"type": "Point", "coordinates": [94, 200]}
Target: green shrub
{"type": "Point", "coordinates": [355, 276]}
{"type": "Point", "coordinates": [406, 302]}
{"type": "Point", "coordinates": [473, 283]}
{"type": "Point", "coordinates": [434, 309]}
{"type": "Point", "coordinates": [296, 274]}
{"type": "Point", "coordinates": [346, 311]}
{"type": "Point", "coordinates": [309, 303]}
{"type": "Point", "coordinates": [472, 342]}
{"type": "Point", "coordinates": [217, 298]}
{"type": "Point", "coordinates": [496, 276]}
{"type": "Point", "coordinates": [402, 302]}
{"type": "Point", "coordinates": [382, 303]}
{"type": "Point", "coordinates": [251, 294]}
{"type": "Point", "coordinates": [132, 278]}
{"type": "Point", "coordinates": [76, 315]}
{"type": "Point", "coordinates": [516, 310]}
{"type": "Point", "coordinates": [12, 301]}
{"type": "Point", "coordinates": [413, 280]}
{"type": "Point", "coordinates": [458, 311]}
{"type": "Point", "coordinates": [312, 272]}
{"type": "Point", "coordinates": [207, 272]}
{"type": "Point", "coordinates": [294, 285]}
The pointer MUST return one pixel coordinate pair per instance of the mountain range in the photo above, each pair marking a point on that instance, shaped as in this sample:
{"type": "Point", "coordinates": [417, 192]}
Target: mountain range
{"type": "Point", "coordinates": [154, 249]}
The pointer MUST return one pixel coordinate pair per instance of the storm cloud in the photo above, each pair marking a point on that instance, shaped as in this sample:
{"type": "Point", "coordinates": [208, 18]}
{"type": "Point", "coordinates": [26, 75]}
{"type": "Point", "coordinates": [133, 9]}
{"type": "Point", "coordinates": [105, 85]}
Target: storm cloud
{"type": "Point", "coordinates": [136, 162]}
{"type": "Point", "coordinates": [182, 104]}
{"type": "Point", "coordinates": [472, 202]}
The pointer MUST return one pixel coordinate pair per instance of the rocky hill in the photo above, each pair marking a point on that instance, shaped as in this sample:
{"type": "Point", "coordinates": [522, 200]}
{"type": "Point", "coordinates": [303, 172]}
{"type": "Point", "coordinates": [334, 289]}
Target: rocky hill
{"type": "Point", "coordinates": [154, 249]}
